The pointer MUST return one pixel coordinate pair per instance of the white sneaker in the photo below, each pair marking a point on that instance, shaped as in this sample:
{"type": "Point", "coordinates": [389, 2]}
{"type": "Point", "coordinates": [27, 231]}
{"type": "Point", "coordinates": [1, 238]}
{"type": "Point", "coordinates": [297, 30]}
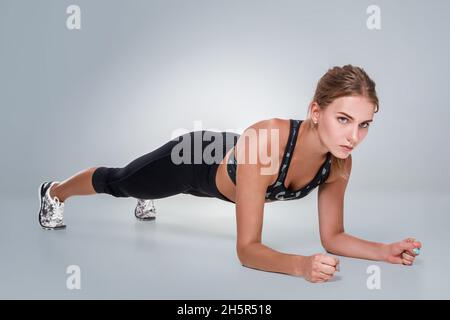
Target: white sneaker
{"type": "Point", "coordinates": [145, 210]}
{"type": "Point", "coordinates": [51, 211]}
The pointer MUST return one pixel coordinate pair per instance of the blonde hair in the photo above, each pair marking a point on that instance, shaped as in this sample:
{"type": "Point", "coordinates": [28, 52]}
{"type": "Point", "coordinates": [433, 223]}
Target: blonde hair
{"type": "Point", "coordinates": [341, 82]}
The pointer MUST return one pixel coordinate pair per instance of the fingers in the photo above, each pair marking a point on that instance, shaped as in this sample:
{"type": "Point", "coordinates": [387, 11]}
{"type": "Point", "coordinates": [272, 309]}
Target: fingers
{"type": "Point", "coordinates": [409, 253]}
{"type": "Point", "coordinates": [323, 268]}
{"type": "Point", "coordinates": [407, 258]}
{"type": "Point", "coordinates": [330, 261]}
{"type": "Point", "coordinates": [326, 269]}
{"type": "Point", "coordinates": [415, 248]}
{"type": "Point", "coordinates": [325, 277]}
{"type": "Point", "coordinates": [328, 266]}
{"type": "Point", "coordinates": [416, 244]}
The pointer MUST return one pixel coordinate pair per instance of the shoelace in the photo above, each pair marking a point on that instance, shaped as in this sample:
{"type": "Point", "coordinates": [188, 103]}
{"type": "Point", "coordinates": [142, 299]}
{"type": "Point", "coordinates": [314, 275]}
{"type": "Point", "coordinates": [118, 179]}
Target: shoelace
{"type": "Point", "coordinates": [58, 207]}
{"type": "Point", "coordinates": [145, 205]}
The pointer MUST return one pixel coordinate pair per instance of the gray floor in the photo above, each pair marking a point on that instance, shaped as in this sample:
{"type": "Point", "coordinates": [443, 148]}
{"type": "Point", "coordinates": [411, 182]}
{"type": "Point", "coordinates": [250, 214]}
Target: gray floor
{"type": "Point", "coordinates": [188, 252]}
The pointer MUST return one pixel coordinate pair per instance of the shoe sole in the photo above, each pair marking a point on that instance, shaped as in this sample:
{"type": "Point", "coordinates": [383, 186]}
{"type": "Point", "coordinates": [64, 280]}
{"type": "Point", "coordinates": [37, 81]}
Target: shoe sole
{"type": "Point", "coordinates": [145, 219]}
{"type": "Point", "coordinates": [41, 194]}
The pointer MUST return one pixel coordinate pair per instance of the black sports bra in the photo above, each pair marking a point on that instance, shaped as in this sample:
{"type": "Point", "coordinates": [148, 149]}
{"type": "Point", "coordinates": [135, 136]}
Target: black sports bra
{"type": "Point", "coordinates": [277, 190]}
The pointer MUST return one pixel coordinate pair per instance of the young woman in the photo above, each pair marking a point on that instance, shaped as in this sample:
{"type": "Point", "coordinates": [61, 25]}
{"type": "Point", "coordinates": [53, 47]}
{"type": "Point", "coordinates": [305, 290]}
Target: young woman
{"type": "Point", "coordinates": [305, 154]}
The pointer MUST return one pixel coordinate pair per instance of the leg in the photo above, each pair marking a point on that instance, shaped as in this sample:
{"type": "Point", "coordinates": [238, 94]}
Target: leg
{"type": "Point", "coordinates": [79, 184]}
{"type": "Point", "coordinates": [151, 176]}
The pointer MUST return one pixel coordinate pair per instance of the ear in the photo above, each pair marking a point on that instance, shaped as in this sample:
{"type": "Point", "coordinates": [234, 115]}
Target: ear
{"type": "Point", "coordinates": [314, 110]}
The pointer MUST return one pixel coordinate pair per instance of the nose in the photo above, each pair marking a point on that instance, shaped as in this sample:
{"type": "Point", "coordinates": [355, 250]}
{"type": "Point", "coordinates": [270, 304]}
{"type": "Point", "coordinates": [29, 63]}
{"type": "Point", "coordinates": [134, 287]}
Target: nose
{"type": "Point", "coordinates": [354, 136]}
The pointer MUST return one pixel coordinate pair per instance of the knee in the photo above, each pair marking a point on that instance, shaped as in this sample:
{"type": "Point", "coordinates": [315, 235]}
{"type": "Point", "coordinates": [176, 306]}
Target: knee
{"type": "Point", "coordinates": [107, 180]}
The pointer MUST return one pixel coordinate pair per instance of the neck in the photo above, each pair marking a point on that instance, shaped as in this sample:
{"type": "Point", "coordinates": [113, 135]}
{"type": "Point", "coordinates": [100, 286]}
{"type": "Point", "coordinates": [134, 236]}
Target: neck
{"type": "Point", "coordinates": [312, 150]}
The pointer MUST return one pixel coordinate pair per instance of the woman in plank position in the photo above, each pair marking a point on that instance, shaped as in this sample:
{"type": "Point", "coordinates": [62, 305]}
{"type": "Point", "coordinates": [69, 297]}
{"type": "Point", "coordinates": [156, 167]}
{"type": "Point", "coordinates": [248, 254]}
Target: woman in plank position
{"type": "Point", "coordinates": [304, 154]}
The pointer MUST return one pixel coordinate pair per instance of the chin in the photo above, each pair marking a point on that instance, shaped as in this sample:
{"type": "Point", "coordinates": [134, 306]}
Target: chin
{"type": "Point", "coordinates": [341, 154]}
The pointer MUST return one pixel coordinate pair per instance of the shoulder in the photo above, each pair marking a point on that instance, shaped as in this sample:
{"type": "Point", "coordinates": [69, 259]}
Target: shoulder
{"type": "Point", "coordinates": [273, 127]}
{"type": "Point", "coordinates": [265, 129]}
{"type": "Point", "coordinates": [261, 144]}
{"type": "Point", "coordinates": [271, 134]}
{"type": "Point", "coordinates": [272, 123]}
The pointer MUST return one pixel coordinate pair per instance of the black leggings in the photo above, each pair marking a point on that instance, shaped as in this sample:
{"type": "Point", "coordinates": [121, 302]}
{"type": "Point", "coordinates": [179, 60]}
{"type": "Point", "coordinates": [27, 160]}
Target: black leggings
{"type": "Point", "coordinates": [155, 175]}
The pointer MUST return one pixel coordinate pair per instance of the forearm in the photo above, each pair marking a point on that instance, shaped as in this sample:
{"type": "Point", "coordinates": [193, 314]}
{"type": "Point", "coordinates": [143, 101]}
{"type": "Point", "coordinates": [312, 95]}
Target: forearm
{"type": "Point", "coordinates": [261, 257]}
{"type": "Point", "coordinates": [346, 245]}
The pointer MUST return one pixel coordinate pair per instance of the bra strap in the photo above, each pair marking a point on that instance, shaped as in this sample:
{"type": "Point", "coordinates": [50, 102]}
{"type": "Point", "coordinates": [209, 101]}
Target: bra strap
{"type": "Point", "coordinates": [293, 133]}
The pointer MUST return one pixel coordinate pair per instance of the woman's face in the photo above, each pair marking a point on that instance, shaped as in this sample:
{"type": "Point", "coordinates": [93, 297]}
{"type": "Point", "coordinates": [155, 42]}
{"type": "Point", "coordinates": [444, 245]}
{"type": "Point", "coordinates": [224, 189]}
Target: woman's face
{"type": "Point", "coordinates": [345, 122]}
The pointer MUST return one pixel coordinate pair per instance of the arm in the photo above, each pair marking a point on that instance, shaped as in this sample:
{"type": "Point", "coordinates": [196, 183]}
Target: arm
{"type": "Point", "coordinates": [336, 241]}
{"type": "Point", "coordinates": [331, 212]}
{"type": "Point", "coordinates": [251, 186]}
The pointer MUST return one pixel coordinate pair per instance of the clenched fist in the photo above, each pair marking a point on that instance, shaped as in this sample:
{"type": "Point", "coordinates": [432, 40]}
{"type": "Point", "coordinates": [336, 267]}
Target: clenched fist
{"type": "Point", "coordinates": [320, 267]}
{"type": "Point", "coordinates": [403, 252]}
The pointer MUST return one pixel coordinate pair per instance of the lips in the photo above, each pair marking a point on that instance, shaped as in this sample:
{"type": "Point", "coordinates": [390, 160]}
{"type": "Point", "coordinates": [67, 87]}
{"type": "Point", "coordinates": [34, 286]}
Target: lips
{"type": "Point", "coordinates": [348, 148]}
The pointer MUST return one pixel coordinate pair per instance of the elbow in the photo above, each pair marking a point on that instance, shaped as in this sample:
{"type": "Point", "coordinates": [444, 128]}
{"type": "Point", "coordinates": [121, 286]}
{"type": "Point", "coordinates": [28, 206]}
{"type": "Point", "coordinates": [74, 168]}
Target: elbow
{"type": "Point", "coordinates": [328, 249]}
{"type": "Point", "coordinates": [326, 246]}
{"type": "Point", "coordinates": [329, 238]}
{"type": "Point", "coordinates": [242, 260]}
{"type": "Point", "coordinates": [325, 243]}
{"type": "Point", "coordinates": [329, 244]}
{"type": "Point", "coordinates": [240, 254]}
{"type": "Point", "coordinates": [243, 252]}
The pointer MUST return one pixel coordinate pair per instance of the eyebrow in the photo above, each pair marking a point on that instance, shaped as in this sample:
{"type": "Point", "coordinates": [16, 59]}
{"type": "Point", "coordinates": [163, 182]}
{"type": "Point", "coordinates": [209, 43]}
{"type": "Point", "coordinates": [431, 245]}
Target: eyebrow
{"type": "Point", "coordinates": [352, 117]}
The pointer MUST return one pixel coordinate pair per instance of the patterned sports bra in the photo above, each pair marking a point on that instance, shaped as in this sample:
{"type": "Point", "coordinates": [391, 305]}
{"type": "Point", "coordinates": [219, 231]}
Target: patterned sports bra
{"type": "Point", "coordinates": [277, 190]}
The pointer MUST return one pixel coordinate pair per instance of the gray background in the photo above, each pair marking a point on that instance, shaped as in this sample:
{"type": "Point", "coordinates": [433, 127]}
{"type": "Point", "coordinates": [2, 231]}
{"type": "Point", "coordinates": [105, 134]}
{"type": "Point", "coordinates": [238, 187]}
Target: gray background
{"type": "Point", "coordinates": [139, 70]}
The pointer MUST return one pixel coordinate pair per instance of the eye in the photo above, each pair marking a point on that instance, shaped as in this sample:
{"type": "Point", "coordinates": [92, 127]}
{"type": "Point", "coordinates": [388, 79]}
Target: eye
{"type": "Point", "coordinates": [365, 125]}
{"type": "Point", "coordinates": [342, 118]}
